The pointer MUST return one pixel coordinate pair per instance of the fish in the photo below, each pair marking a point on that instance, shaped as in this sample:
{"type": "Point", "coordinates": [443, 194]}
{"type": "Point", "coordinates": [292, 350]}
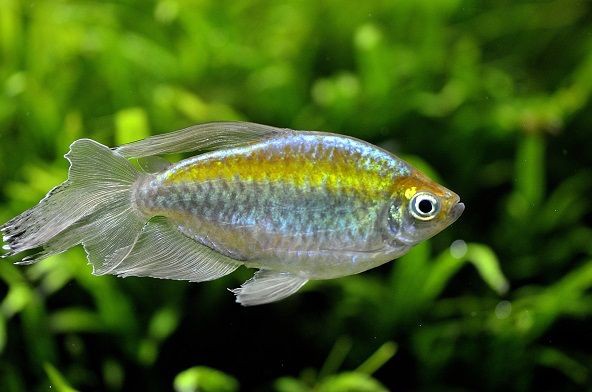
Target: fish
{"type": "Point", "coordinates": [295, 205]}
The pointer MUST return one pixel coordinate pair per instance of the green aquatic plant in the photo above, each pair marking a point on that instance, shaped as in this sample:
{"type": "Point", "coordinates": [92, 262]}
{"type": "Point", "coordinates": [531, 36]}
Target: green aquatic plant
{"type": "Point", "coordinates": [493, 97]}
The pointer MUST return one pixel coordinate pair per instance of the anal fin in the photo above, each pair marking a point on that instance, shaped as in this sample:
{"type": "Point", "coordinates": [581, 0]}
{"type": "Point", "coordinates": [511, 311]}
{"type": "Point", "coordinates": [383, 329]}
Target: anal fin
{"type": "Point", "coordinates": [162, 251]}
{"type": "Point", "coordinates": [268, 286]}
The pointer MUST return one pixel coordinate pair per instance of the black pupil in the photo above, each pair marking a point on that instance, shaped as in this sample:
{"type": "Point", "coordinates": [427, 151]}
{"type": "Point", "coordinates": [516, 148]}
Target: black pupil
{"type": "Point", "coordinates": [425, 206]}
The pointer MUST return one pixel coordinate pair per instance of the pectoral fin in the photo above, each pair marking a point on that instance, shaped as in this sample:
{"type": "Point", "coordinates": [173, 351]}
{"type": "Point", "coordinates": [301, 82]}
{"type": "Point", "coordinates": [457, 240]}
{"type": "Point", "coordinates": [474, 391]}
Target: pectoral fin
{"type": "Point", "coordinates": [268, 286]}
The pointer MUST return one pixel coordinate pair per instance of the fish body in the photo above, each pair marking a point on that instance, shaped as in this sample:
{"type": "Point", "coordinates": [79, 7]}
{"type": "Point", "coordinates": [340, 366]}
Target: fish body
{"type": "Point", "coordinates": [297, 205]}
{"type": "Point", "coordinates": [305, 203]}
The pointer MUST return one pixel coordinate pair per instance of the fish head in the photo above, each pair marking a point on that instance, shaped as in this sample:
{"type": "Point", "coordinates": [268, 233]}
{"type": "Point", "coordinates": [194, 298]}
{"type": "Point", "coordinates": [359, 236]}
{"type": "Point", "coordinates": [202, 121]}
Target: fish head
{"type": "Point", "coordinates": [419, 209]}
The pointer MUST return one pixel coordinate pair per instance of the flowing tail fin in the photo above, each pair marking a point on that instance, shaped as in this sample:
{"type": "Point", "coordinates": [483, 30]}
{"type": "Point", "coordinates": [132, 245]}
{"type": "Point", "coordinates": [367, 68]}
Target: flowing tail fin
{"type": "Point", "coordinates": [94, 207]}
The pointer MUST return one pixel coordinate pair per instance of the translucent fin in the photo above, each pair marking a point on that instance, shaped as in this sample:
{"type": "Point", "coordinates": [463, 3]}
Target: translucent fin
{"type": "Point", "coordinates": [203, 137]}
{"type": "Point", "coordinates": [93, 207]}
{"type": "Point", "coordinates": [268, 286]}
{"type": "Point", "coordinates": [153, 164]}
{"type": "Point", "coordinates": [163, 252]}
{"type": "Point", "coordinates": [88, 187]}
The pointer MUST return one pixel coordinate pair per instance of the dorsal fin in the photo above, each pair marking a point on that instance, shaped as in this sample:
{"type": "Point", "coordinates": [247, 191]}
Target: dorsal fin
{"type": "Point", "coordinates": [202, 137]}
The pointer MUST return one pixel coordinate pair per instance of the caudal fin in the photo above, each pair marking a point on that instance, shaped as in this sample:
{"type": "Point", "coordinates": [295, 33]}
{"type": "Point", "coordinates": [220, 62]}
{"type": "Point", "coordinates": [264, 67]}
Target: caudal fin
{"type": "Point", "coordinates": [93, 207]}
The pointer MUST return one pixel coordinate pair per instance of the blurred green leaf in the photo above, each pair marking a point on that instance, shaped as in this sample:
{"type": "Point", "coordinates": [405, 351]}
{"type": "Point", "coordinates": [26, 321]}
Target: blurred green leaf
{"type": "Point", "coordinates": [56, 379]}
{"type": "Point", "coordinates": [40, 342]}
{"type": "Point", "coordinates": [131, 125]}
{"type": "Point", "coordinates": [2, 333]}
{"type": "Point", "coordinates": [530, 170]}
{"type": "Point", "coordinates": [19, 296]}
{"type": "Point", "coordinates": [288, 384]}
{"type": "Point", "coordinates": [75, 320]}
{"type": "Point", "coordinates": [554, 358]}
{"type": "Point", "coordinates": [113, 374]}
{"type": "Point", "coordinates": [378, 359]}
{"type": "Point", "coordinates": [147, 352]}
{"type": "Point", "coordinates": [336, 357]}
{"type": "Point", "coordinates": [488, 267]}
{"type": "Point", "coordinates": [449, 262]}
{"type": "Point", "coordinates": [350, 382]}
{"type": "Point", "coordinates": [163, 323]}
{"type": "Point", "coordinates": [204, 379]}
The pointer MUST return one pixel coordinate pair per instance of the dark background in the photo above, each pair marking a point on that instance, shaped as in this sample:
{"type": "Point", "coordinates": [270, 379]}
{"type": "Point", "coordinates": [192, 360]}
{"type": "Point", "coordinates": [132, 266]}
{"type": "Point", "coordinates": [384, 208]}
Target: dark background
{"type": "Point", "coordinates": [491, 98]}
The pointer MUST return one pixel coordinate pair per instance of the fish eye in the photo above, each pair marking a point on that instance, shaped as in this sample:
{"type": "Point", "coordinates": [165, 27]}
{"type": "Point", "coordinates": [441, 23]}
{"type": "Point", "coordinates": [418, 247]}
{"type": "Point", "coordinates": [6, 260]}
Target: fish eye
{"type": "Point", "coordinates": [424, 206]}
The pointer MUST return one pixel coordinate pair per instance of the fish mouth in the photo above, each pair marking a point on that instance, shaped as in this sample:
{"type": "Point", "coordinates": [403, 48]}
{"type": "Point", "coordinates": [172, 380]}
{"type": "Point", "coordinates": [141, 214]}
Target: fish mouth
{"type": "Point", "coordinates": [456, 211]}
